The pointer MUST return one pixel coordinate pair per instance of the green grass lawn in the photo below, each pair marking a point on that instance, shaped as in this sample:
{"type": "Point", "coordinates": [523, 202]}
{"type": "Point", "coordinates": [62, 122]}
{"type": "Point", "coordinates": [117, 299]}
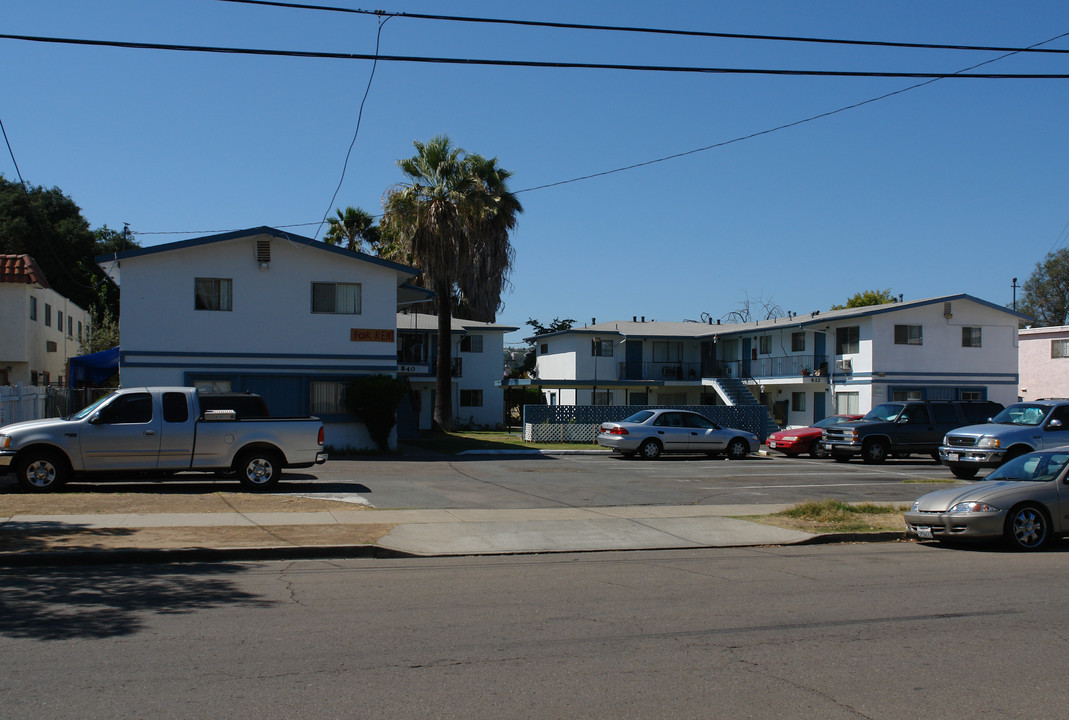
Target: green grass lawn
{"type": "Point", "coordinates": [455, 442]}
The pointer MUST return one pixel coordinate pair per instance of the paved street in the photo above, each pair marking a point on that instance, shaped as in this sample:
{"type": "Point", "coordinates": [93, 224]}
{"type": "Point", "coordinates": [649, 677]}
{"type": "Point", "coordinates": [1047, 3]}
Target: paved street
{"type": "Point", "coordinates": [882, 631]}
{"type": "Point", "coordinates": [493, 481]}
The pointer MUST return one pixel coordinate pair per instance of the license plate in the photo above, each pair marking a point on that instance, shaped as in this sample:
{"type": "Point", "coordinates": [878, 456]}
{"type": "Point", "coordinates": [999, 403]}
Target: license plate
{"type": "Point", "coordinates": [924, 533]}
{"type": "Point", "coordinates": [953, 457]}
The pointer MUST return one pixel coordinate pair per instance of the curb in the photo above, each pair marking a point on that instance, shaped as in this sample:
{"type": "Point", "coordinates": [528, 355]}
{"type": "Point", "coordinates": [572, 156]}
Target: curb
{"type": "Point", "coordinates": [71, 558]}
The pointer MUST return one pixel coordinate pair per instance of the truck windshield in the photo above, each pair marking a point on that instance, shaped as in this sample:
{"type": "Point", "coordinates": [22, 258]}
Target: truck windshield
{"type": "Point", "coordinates": [887, 412]}
{"type": "Point", "coordinates": [1021, 414]}
{"type": "Point", "coordinates": [89, 410]}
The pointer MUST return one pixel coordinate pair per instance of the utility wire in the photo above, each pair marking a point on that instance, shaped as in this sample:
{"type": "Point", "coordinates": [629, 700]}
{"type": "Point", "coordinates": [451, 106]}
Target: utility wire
{"type": "Point", "coordinates": [785, 126]}
{"type": "Point", "coordinates": [530, 63]}
{"type": "Point", "coordinates": [645, 30]}
{"type": "Point", "coordinates": [12, 154]}
{"type": "Point", "coordinates": [359, 118]}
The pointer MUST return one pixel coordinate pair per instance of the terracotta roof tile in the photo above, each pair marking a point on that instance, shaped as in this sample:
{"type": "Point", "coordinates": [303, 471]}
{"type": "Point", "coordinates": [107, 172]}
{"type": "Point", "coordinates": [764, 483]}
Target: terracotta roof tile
{"type": "Point", "coordinates": [21, 269]}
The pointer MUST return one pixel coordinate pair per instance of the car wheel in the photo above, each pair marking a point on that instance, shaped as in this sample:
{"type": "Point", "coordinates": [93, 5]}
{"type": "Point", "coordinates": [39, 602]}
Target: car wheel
{"type": "Point", "coordinates": [42, 471]}
{"type": "Point", "coordinates": [259, 469]}
{"type": "Point", "coordinates": [1027, 528]}
{"type": "Point", "coordinates": [817, 450]}
{"type": "Point", "coordinates": [737, 449]}
{"type": "Point", "coordinates": [650, 450]}
{"type": "Point", "coordinates": [874, 451]}
{"type": "Point", "coordinates": [963, 472]}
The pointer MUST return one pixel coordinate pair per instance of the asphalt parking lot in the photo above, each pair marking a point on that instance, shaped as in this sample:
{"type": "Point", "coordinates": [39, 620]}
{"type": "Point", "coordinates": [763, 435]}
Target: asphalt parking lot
{"type": "Point", "coordinates": [553, 481]}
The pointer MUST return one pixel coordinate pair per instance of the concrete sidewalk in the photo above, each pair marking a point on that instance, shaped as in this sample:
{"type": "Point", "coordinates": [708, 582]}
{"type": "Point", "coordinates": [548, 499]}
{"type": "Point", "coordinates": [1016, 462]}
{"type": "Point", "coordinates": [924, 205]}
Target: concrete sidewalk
{"type": "Point", "coordinates": [75, 539]}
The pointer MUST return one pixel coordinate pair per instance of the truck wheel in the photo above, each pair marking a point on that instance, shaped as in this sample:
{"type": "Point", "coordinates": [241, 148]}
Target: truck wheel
{"type": "Point", "coordinates": [259, 469]}
{"type": "Point", "coordinates": [874, 451]}
{"type": "Point", "coordinates": [41, 471]}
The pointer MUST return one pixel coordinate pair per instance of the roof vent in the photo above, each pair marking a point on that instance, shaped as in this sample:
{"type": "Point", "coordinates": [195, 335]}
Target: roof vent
{"type": "Point", "coordinates": [263, 253]}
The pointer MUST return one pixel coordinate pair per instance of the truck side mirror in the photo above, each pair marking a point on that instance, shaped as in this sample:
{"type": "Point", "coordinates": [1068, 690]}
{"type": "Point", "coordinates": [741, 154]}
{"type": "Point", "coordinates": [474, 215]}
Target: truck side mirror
{"type": "Point", "coordinates": [1054, 424]}
{"type": "Point", "coordinates": [94, 419]}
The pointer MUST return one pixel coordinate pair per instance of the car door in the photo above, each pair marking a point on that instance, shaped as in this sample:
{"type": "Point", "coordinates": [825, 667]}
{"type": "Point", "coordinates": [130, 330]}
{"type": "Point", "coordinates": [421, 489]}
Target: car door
{"type": "Point", "coordinates": [670, 428]}
{"type": "Point", "coordinates": [705, 435]}
{"type": "Point", "coordinates": [915, 430]}
{"type": "Point", "coordinates": [122, 435]}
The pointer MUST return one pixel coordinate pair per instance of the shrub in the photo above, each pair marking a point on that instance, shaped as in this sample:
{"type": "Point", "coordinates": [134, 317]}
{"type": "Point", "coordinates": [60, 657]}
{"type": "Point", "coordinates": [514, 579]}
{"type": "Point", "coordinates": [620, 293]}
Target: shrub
{"type": "Point", "coordinates": [374, 400]}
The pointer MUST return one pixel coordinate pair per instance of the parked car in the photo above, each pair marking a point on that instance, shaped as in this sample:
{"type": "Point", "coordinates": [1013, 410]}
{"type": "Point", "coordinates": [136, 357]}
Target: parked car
{"type": "Point", "coordinates": [162, 430]}
{"type": "Point", "coordinates": [1022, 502]}
{"type": "Point", "coordinates": [903, 427]}
{"type": "Point", "coordinates": [1019, 429]}
{"type": "Point", "coordinates": [652, 432]}
{"type": "Point", "coordinates": [795, 441]}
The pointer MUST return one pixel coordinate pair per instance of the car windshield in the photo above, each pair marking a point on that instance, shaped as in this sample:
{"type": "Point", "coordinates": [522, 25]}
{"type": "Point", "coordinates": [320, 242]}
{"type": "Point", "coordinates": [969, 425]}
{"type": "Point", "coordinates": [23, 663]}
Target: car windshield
{"type": "Point", "coordinates": [640, 417]}
{"type": "Point", "coordinates": [1033, 467]}
{"type": "Point", "coordinates": [887, 412]}
{"type": "Point", "coordinates": [89, 410]}
{"type": "Point", "coordinates": [833, 420]}
{"type": "Point", "coordinates": [1021, 414]}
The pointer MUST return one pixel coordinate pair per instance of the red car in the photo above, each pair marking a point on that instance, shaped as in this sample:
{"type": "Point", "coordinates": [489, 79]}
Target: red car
{"type": "Point", "coordinates": [793, 443]}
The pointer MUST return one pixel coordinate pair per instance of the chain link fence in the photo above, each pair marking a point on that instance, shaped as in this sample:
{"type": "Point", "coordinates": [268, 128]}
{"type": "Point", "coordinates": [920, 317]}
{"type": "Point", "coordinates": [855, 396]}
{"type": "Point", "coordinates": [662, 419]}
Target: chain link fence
{"type": "Point", "coordinates": [579, 423]}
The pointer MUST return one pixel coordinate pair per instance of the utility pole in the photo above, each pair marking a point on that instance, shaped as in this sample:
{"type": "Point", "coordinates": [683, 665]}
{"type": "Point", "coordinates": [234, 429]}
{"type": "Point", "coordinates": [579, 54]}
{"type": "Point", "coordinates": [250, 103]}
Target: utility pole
{"type": "Point", "coordinates": [1015, 294]}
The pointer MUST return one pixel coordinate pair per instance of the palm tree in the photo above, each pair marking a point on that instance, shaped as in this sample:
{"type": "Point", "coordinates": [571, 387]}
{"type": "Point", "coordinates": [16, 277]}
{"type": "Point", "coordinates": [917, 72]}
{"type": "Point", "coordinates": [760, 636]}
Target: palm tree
{"type": "Point", "coordinates": [353, 227]}
{"type": "Point", "coordinates": [453, 217]}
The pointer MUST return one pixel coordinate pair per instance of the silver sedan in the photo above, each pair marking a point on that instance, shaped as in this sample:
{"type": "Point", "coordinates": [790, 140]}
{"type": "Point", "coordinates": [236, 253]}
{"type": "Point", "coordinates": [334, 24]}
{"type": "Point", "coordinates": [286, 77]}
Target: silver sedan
{"type": "Point", "coordinates": [652, 432]}
{"type": "Point", "coordinates": [1025, 502]}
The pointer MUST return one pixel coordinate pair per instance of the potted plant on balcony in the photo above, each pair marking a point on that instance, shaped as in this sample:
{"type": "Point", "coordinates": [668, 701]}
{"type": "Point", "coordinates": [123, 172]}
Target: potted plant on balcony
{"type": "Point", "coordinates": [805, 372]}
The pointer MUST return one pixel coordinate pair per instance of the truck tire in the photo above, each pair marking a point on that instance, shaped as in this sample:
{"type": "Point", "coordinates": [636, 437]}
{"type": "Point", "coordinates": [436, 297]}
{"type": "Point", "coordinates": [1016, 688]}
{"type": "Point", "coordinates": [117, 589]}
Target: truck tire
{"type": "Point", "coordinates": [874, 451]}
{"type": "Point", "coordinates": [259, 469]}
{"type": "Point", "coordinates": [41, 471]}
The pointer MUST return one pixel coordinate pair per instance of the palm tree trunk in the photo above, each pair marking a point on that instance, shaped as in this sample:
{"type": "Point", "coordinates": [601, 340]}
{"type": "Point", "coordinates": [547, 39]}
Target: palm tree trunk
{"type": "Point", "coordinates": [443, 386]}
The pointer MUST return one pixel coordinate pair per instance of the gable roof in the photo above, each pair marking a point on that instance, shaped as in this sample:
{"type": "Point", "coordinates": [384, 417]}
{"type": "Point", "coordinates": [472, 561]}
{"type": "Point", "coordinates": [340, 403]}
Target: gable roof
{"type": "Point", "coordinates": [110, 263]}
{"type": "Point", "coordinates": [696, 330]}
{"type": "Point", "coordinates": [21, 269]}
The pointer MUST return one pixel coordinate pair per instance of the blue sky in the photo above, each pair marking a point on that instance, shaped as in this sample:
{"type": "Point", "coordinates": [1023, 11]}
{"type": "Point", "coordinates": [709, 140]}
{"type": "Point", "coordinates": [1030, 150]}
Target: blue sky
{"type": "Point", "coordinates": [958, 186]}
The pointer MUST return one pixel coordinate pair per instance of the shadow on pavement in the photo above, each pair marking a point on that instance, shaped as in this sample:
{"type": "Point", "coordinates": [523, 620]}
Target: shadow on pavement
{"type": "Point", "coordinates": [106, 602]}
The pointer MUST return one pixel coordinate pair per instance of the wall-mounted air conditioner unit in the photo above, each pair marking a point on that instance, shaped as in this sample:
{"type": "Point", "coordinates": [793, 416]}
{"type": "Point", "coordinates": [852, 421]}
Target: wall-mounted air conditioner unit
{"type": "Point", "coordinates": [843, 366]}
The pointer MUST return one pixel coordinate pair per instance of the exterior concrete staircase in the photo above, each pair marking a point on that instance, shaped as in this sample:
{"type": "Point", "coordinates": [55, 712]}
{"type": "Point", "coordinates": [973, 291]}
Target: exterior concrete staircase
{"type": "Point", "coordinates": [734, 392]}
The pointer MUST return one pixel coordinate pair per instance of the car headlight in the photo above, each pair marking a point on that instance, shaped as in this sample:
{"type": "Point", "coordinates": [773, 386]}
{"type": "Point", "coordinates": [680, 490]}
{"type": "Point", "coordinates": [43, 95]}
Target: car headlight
{"type": "Point", "coordinates": [789, 438]}
{"type": "Point", "coordinates": [916, 505]}
{"type": "Point", "coordinates": [989, 442]}
{"type": "Point", "coordinates": [5, 442]}
{"type": "Point", "coordinates": [973, 507]}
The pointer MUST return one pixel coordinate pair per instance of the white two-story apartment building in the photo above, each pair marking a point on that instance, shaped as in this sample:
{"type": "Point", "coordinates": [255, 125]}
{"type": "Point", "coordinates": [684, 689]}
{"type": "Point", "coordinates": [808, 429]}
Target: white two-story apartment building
{"type": "Point", "coordinates": [1044, 359]}
{"type": "Point", "coordinates": [802, 367]}
{"type": "Point", "coordinates": [40, 330]}
{"type": "Point", "coordinates": [264, 311]}
{"type": "Point", "coordinates": [477, 352]}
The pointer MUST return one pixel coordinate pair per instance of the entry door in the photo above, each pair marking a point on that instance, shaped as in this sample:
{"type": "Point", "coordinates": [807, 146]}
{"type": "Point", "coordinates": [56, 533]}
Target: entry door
{"type": "Point", "coordinates": [819, 413]}
{"type": "Point", "coordinates": [747, 347]}
{"type": "Point", "coordinates": [633, 359]}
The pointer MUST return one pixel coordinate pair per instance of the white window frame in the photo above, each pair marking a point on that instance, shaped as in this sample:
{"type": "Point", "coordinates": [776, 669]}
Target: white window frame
{"type": "Point", "coordinates": [213, 294]}
{"type": "Point", "coordinates": [347, 298]}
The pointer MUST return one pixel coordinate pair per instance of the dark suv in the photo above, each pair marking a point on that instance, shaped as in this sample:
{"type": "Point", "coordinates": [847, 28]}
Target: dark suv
{"type": "Point", "coordinates": [901, 428]}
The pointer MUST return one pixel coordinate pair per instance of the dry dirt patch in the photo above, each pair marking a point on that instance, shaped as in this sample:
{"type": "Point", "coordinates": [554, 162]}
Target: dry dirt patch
{"type": "Point", "coordinates": [90, 503]}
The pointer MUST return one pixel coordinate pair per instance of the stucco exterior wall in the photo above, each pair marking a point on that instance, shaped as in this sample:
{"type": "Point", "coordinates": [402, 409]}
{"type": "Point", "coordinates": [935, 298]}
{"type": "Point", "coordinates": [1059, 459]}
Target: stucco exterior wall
{"type": "Point", "coordinates": [1042, 376]}
{"type": "Point", "coordinates": [24, 342]}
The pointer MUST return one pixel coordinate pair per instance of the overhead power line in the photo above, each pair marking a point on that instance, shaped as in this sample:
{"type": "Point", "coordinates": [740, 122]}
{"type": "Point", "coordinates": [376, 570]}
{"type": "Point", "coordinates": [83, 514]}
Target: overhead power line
{"type": "Point", "coordinates": [646, 30]}
{"type": "Point", "coordinates": [530, 63]}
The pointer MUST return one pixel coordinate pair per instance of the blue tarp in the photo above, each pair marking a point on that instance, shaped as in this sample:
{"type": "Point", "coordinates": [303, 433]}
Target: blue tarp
{"type": "Point", "coordinates": [93, 369]}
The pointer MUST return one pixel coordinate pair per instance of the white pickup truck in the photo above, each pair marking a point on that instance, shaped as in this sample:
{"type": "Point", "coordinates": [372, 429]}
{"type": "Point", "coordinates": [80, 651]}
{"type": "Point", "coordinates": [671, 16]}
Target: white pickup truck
{"type": "Point", "coordinates": [158, 429]}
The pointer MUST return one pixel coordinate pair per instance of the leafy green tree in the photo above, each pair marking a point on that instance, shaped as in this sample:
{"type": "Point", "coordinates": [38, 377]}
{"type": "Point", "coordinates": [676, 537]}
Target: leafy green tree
{"type": "Point", "coordinates": [453, 216]}
{"type": "Point", "coordinates": [352, 229]}
{"type": "Point", "coordinates": [866, 298]}
{"type": "Point", "coordinates": [375, 399]}
{"type": "Point", "coordinates": [48, 225]}
{"type": "Point", "coordinates": [1045, 294]}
